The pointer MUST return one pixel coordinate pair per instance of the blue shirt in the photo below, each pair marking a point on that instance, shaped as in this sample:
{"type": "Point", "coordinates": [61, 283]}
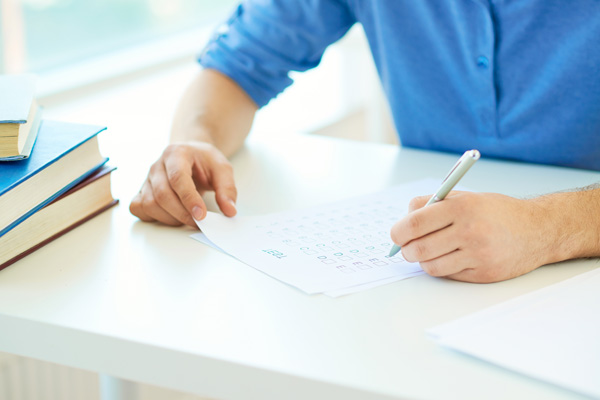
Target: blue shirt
{"type": "Point", "coordinates": [516, 79]}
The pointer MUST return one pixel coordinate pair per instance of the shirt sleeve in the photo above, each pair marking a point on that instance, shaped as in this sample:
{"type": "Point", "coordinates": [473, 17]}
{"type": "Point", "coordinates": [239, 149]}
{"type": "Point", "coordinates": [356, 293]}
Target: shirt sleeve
{"type": "Point", "coordinates": [266, 39]}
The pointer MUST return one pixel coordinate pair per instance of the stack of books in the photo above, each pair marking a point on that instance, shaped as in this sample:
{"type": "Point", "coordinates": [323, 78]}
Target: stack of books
{"type": "Point", "coordinates": [61, 184]}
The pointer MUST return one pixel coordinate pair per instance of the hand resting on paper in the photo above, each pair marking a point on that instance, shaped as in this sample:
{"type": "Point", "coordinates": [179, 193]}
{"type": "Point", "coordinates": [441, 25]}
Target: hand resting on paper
{"type": "Point", "coordinates": [172, 192]}
{"type": "Point", "coordinates": [488, 237]}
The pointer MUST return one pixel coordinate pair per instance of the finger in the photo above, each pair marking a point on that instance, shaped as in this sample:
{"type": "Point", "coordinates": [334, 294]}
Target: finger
{"type": "Point", "coordinates": [153, 210]}
{"type": "Point", "coordinates": [418, 202]}
{"type": "Point", "coordinates": [448, 265]}
{"type": "Point", "coordinates": [431, 246]}
{"type": "Point", "coordinates": [179, 174]}
{"type": "Point", "coordinates": [224, 187]}
{"type": "Point", "coordinates": [166, 197]}
{"type": "Point", "coordinates": [422, 222]}
{"type": "Point", "coordinates": [135, 207]}
{"type": "Point", "coordinates": [482, 274]}
{"type": "Point", "coordinates": [466, 275]}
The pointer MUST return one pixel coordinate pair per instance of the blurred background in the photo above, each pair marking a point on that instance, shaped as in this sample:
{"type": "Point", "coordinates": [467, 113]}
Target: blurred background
{"type": "Point", "coordinates": [42, 35]}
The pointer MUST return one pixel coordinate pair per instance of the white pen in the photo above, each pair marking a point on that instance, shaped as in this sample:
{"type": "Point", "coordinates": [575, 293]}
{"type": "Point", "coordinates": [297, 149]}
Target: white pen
{"type": "Point", "coordinates": [456, 173]}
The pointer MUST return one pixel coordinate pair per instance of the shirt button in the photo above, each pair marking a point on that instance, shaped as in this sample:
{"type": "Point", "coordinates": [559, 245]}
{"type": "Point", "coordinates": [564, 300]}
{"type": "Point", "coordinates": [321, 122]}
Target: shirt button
{"type": "Point", "coordinates": [483, 62]}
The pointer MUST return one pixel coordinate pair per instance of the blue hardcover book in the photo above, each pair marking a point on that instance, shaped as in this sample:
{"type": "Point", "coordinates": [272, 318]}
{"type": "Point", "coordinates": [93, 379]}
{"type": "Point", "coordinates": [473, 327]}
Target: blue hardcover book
{"type": "Point", "coordinates": [63, 156]}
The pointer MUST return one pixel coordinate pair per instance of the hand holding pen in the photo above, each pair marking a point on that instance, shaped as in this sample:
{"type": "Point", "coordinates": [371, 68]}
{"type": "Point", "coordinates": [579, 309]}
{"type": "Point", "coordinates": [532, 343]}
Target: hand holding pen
{"type": "Point", "coordinates": [456, 173]}
{"type": "Point", "coordinates": [479, 237]}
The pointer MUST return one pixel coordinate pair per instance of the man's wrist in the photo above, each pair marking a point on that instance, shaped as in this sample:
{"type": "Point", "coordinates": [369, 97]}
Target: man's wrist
{"type": "Point", "coordinates": [569, 225]}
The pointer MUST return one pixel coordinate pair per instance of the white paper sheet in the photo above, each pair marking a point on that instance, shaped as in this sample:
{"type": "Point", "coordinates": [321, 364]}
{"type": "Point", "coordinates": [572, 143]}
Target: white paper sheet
{"type": "Point", "coordinates": [201, 237]}
{"type": "Point", "coordinates": [552, 334]}
{"type": "Point", "coordinates": [336, 248]}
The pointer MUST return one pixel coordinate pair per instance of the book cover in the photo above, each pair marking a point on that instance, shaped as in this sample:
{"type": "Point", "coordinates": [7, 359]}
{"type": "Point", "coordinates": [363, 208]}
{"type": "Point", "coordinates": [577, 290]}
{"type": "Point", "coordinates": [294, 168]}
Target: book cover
{"type": "Point", "coordinates": [16, 96]}
{"type": "Point", "coordinates": [55, 141]}
{"type": "Point", "coordinates": [73, 208]}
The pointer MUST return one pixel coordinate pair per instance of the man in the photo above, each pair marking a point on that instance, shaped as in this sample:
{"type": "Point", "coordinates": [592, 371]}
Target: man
{"type": "Point", "coordinates": [514, 79]}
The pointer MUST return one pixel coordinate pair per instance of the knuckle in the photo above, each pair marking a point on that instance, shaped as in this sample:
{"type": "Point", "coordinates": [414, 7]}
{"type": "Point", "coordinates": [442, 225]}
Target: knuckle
{"type": "Point", "coordinates": [482, 247]}
{"type": "Point", "coordinates": [226, 165]}
{"type": "Point", "coordinates": [173, 150]}
{"type": "Point", "coordinates": [175, 176]}
{"type": "Point", "coordinates": [419, 250]}
{"type": "Point", "coordinates": [149, 205]}
{"type": "Point", "coordinates": [459, 204]}
{"type": "Point", "coordinates": [413, 224]}
{"type": "Point", "coordinates": [148, 202]}
{"type": "Point", "coordinates": [231, 189]}
{"type": "Point", "coordinates": [484, 252]}
{"type": "Point", "coordinates": [161, 195]}
{"type": "Point", "coordinates": [414, 252]}
{"type": "Point", "coordinates": [467, 202]}
{"type": "Point", "coordinates": [469, 227]}
{"type": "Point", "coordinates": [467, 233]}
{"type": "Point", "coordinates": [432, 268]}
{"type": "Point", "coordinates": [475, 233]}
{"type": "Point", "coordinates": [154, 168]}
{"type": "Point", "coordinates": [187, 197]}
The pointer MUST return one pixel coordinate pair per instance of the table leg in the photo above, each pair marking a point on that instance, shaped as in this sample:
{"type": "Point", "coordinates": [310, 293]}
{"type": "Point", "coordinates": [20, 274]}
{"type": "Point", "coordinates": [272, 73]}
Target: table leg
{"type": "Point", "coordinates": [112, 388]}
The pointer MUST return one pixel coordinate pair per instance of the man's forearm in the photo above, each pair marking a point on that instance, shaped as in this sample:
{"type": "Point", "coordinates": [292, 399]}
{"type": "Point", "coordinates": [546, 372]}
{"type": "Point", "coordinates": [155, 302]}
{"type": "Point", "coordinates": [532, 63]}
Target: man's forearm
{"type": "Point", "coordinates": [572, 223]}
{"type": "Point", "coordinates": [214, 109]}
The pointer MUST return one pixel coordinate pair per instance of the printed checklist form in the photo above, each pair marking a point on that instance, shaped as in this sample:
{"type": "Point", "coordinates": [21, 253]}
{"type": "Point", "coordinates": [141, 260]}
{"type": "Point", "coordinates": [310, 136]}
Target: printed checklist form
{"type": "Point", "coordinates": [335, 249]}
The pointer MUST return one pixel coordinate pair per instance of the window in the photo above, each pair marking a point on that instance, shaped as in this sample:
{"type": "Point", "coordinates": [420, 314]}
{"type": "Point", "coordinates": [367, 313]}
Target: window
{"type": "Point", "coordinates": [44, 35]}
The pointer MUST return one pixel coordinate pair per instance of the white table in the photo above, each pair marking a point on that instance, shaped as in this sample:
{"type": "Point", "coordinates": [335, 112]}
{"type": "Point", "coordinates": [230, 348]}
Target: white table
{"type": "Point", "coordinates": [146, 303]}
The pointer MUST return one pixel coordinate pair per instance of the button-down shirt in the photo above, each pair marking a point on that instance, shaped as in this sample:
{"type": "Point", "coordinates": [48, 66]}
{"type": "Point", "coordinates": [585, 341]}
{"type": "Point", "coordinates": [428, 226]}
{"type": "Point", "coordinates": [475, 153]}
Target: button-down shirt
{"type": "Point", "coordinates": [516, 79]}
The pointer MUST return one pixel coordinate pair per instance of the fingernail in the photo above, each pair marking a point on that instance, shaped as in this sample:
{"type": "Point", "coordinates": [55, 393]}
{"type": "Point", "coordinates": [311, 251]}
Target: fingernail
{"type": "Point", "coordinates": [197, 213]}
{"type": "Point", "coordinates": [232, 202]}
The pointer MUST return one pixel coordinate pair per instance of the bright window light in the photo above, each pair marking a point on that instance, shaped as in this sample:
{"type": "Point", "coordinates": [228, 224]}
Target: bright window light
{"type": "Point", "coordinates": [42, 35]}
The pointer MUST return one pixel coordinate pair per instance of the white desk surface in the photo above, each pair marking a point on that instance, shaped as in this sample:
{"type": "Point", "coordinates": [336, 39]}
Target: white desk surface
{"type": "Point", "coordinates": [146, 303]}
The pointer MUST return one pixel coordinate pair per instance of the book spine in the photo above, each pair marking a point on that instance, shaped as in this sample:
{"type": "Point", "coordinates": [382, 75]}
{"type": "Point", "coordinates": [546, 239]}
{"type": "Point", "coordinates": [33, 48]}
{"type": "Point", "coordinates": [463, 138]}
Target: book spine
{"type": "Point", "coordinates": [57, 235]}
{"type": "Point", "coordinates": [51, 198]}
